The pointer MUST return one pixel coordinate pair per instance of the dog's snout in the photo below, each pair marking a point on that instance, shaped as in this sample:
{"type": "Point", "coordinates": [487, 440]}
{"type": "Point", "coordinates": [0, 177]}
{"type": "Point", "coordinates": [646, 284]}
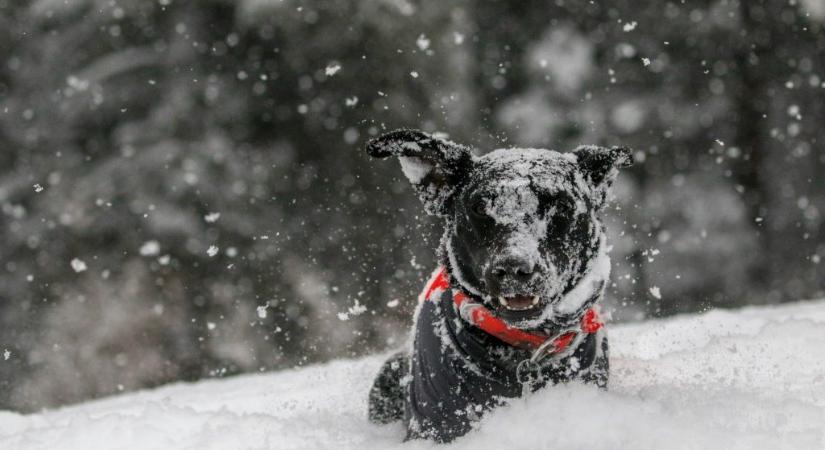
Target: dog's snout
{"type": "Point", "coordinates": [516, 268]}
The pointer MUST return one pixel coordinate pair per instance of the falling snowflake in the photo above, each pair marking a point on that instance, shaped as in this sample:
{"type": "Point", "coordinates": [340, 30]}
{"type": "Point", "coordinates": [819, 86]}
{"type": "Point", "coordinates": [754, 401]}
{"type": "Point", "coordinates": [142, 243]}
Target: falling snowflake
{"type": "Point", "coordinates": [212, 217]}
{"type": "Point", "coordinates": [6, 354]}
{"type": "Point", "coordinates": [414, 74]}
{"type": "Point", "coordinates": [212, 250]}
{"type": "Point", "coordinates": [357, 309]}
{"type": "Point", "coordinates": [351, 101]}
{"type": "Point", "coordinates": [655, 292]}
{"type": "Point", "coordinates": [422, 42]}
{"type": "Point", "coordinates": [77, 83]}
{"type": "Point", "coordinates": [354, 310]}
{"type": "Point", "coordinates": [332, 69]}
{"type": "Point", "coordinates": [392, 303]}
{"type": "Point", "coordinates": [261, 311]}
{"type": "Point", "coordinates": [458, 38]}
{"type": "Point", "coordinates": [630, 26]}
{"type": "Point", "coordinates": [38, 188]}
{"type": "Point", "coordinates": [646, 61]}
{"type": "Point", "coordinates": [78, 265]}
{"type": "Point", "coordinates": [150, 248]}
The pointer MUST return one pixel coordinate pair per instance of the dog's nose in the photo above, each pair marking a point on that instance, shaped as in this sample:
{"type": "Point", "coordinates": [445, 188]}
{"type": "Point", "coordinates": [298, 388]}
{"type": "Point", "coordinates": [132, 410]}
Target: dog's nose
{"type": "Point", "coordinates": [517, 268]}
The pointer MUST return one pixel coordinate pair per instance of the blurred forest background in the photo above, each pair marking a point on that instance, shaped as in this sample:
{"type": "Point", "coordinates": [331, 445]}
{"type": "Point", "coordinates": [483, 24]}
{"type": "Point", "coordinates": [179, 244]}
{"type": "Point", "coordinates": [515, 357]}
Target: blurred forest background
{"type": "Point", "coordinates": [184, 191]}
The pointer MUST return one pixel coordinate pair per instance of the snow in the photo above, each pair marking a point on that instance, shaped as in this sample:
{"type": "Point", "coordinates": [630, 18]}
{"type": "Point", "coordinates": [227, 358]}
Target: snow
{"type": "Point", "coordinates": [332, 69]}
{"type": "Point", "coordinates": [78, 265]}
{"type": "Point", "coordinates": [746, 379]}
{"type": "Point", "coordinates": [355, 310]}
{"type": "Point", "coordinates": [423, 43]}
{"type": "Point", "coordinates": [150, 248]}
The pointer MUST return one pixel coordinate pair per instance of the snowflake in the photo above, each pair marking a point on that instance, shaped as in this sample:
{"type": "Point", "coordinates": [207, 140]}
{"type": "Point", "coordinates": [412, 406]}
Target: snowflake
{"type": "Point", "coordinates": [332, 69]}
{"type": "Point", "coordinates": [78, 265]}
{"type": "Point", "coordinates": [212, 250]}
{"type": "Point", "coordinates": [629, 26]}
{"type": "Point", "coordinates": [150, 248]}
{"type": "Point", "coordinates": [357, 309]}
{"type": "Point", "coordinates": [422, 42]}
{"type": "Point", "coordinates": [212, 217]}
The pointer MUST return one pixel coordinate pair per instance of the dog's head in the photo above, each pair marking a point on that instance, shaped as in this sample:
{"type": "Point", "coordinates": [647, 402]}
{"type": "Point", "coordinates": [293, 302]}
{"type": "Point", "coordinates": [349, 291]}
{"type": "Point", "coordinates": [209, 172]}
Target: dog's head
{"type": "Point", "coordinates": [522, 225]}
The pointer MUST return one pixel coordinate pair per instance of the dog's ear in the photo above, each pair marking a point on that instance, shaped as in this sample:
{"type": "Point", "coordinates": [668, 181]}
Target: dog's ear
{"type": "Point", "coordinates": [434, 166]}
{"type": "Point", "coordinates": [600, 166]}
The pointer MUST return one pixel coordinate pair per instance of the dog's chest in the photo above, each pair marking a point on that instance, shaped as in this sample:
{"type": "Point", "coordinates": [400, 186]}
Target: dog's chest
{"type": "Point", "coordinates": [459, 372]}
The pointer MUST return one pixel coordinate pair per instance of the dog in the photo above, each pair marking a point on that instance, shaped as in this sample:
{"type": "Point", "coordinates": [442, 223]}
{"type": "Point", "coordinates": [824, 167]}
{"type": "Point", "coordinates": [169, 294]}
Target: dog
{"type": "Point", "coordinates": [523, 264]}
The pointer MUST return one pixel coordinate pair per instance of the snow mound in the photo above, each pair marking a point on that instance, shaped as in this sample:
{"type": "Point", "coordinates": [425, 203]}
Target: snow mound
{"type": "Point", "coordinates": [753, 378]}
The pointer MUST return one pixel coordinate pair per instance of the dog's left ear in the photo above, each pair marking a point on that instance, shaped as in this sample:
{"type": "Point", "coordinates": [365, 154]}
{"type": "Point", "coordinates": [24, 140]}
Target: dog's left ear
{"type": "Point", "coordinates": [600, 165]}
{"type": "Point", "coordinates": [434, 166]}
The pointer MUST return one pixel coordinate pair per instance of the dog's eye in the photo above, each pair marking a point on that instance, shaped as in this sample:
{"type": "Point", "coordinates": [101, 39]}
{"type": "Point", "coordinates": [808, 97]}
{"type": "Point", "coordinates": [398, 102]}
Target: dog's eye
{"type": "Point", "coordinates": [563, 212]}
{"type": "Point", "coordinates": [563, 208]}
{"type": "Point", "coordinates": [479, 208]}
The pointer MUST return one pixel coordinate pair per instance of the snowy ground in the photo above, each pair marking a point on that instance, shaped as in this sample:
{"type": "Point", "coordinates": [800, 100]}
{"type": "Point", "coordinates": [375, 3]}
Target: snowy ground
{"type": "Point", "coordinates": [746, 379]}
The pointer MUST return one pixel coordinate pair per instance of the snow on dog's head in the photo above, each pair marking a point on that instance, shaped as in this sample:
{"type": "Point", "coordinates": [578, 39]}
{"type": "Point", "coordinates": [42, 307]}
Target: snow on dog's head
{"type": "Point", "coordinates": [522, 226]}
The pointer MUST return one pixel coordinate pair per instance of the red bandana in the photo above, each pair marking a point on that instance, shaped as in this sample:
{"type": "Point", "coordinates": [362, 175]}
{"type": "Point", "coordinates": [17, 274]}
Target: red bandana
{"type": "Point", "coordinates": [478, 315]}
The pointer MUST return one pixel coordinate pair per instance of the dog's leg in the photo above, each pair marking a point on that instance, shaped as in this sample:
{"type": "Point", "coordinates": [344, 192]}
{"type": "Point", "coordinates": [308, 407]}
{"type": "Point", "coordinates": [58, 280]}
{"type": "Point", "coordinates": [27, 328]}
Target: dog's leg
{"type": "Point", "coordinates": [599, 371]}
{"type": "Point", "coordinates": [386, 399]}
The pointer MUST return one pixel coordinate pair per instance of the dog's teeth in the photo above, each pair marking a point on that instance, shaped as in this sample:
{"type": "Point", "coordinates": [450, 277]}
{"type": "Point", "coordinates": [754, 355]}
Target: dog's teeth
{"type": "Point", "coordinates": [535, 300]}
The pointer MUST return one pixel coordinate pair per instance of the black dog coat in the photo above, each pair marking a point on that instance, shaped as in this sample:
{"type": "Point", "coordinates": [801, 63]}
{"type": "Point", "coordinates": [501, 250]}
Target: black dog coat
{"type": "Point", "coordinates": [457, 370]}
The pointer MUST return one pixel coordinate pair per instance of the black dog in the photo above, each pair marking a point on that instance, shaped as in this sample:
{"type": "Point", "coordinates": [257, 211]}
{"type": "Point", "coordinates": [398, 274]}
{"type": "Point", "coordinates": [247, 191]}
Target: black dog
{"type": "Point", "coordinates": [524, 261]}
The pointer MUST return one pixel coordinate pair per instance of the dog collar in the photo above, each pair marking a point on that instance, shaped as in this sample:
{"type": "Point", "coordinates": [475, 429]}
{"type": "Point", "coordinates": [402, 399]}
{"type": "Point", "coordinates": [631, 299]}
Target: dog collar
{"type": "Point", "coordinates": [480, 316]}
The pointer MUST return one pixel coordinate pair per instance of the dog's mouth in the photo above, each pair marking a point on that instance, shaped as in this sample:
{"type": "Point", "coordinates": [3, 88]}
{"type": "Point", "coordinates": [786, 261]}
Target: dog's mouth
{"type": "Point", "coordinates": [516, 308]}
{"type": "Point", "coordinates": [519, 302]}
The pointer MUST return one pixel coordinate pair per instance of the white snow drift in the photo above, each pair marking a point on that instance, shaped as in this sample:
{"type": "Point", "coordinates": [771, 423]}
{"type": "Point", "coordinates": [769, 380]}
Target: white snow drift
{"type": "Point", "coordinates": [753, 378]}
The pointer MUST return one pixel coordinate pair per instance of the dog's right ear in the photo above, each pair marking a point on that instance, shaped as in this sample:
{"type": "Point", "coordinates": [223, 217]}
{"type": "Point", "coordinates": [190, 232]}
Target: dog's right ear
{"type": "Point", "coordinates": [434, 166]}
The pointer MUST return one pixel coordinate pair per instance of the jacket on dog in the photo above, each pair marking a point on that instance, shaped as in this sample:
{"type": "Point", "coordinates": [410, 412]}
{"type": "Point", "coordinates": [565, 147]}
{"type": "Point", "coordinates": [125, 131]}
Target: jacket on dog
{"type": "Point", "coordinates": [458, 371]}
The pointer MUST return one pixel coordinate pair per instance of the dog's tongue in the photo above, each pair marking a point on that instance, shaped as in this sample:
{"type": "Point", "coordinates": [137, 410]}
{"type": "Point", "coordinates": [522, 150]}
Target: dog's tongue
{"type": "Point", "coordinates": [518, 302]}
